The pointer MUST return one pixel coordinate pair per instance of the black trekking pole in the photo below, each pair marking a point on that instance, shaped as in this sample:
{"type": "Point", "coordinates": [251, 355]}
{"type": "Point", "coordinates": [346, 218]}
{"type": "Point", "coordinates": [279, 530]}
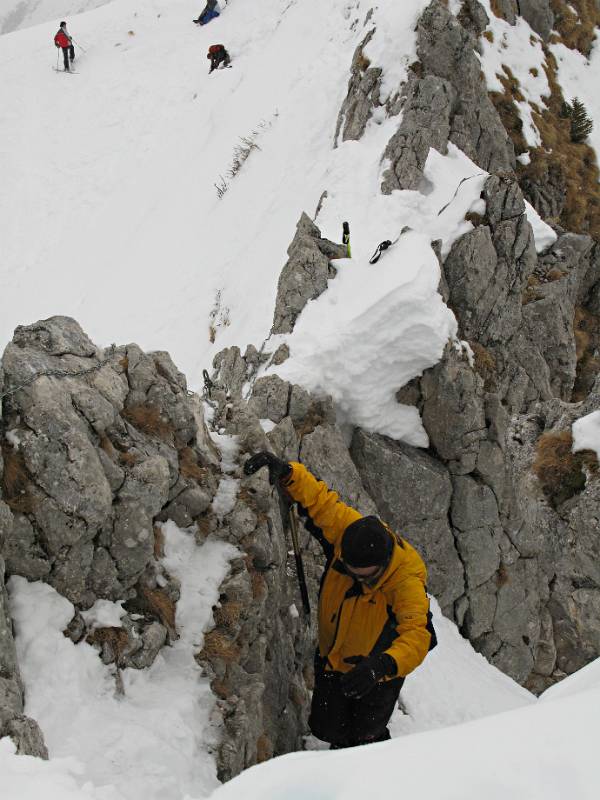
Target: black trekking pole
{"type": "Point", "coordinates": [289, 519]}
{"type": "Point", "coordinates": [57, 58]}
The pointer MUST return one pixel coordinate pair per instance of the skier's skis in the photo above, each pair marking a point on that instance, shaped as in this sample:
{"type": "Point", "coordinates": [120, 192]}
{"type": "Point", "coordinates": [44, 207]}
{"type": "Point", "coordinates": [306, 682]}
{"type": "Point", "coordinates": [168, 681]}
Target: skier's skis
{"type": "Point", "coordinates": [67, 71]}
{"type": "Point", "coordinates": [383, 246]}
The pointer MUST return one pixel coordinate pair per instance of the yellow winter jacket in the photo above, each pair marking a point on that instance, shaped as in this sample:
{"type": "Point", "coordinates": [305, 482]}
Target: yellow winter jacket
{"type": "Point", "coordinates": [354, 620]}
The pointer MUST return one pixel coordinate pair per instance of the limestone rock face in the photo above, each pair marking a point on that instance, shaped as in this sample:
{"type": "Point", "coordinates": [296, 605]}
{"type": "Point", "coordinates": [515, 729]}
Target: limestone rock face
{"type": "Point", "coordinates": [447, 50]}
{"type": "Point", "coordinates": [305, 275]}
{"type": "Point", "coordinates": [539, 14]}
{"type": "Point", "coordinates": [427, 111]}
{"type": "Point", "coordinates": [413, 493]}
{"type": "Point", "coordinates": [362, 96]}
{"type": "Point", "coordinates": [97, 447]}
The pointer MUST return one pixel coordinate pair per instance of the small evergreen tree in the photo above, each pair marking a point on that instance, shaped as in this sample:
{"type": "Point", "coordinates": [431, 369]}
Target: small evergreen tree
{"type": "Point", "coordinates": [581, 124]}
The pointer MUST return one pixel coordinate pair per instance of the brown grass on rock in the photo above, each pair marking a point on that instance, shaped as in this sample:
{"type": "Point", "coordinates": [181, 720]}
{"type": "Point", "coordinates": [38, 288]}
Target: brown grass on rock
{"type": "Point", "coordinates": [586, 328]}
{"type": "Point", "coordinates": [576, 22]}
{"type": "Point", "coordinates": [219, 646]}
{"type": "Point", "coordinates": [559, 469]}
{"type": "Point", "coordinates": [485, 364]}
{"type": "Point", "coordinates": [148, 419]}
{"type": "Point", "coordinates": [228, 615]}
{"type": "Point", "coordinates": [16, 481]}
{"type": "Point", "coordinates": [189, 466]}
{"type": "Point", "coordinates": [161, 606]}
{"type": "Point", "coordinates": [115, 640]}
{"type": "Point", "coordinates": [573, 163]}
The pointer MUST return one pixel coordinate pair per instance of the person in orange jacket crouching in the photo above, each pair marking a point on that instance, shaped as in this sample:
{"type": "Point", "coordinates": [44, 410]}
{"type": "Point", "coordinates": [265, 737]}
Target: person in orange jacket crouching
{"type": "Point", "coordinates": [374, 619]}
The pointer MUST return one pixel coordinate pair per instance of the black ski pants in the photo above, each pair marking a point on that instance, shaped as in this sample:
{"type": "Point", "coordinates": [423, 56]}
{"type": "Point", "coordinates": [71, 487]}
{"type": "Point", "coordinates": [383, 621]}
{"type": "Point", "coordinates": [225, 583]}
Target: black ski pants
{"type": "Point", "coordinates": [68, 51]}
{"type": "Point", "coordinates": [347, 722]}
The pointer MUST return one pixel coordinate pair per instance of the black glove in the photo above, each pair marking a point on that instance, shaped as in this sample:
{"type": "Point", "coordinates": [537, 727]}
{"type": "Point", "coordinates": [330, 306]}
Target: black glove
{"type": "Point", "coordinates": [278, 468]}
{"type": "Point", "coordinates": [362, 679]}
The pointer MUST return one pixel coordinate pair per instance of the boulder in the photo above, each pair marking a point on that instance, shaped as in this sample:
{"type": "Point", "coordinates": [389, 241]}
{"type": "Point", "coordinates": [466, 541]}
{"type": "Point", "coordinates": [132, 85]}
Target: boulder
{"type": "Point", "coordinates": [305, 275]}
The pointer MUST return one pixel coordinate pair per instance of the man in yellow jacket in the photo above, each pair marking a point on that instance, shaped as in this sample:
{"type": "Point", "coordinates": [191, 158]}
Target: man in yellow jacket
{"type": "Point", "coordinates": [374, 620]}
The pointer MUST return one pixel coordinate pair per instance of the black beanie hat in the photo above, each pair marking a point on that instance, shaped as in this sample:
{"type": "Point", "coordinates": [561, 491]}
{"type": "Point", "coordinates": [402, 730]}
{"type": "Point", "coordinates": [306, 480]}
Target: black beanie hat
{"type": "Point", "coordinates": [366, 543]}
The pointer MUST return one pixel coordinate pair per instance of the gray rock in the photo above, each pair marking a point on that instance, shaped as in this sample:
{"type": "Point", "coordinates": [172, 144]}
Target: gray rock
{"type": "Point", "coordinates": [27, 736]}
{"type": "Point", "coordinates": [507, 10]}
{"type": "Point", "coordinates": [23, 553]}
{"type": "Point", "coordinates": [412, 492]}
{"type": "Point", "coordinates": [153, 638]}
{"type": "Point", "coordinates": [325, 454]}
{"type": "Point", "coordinates": [305, 275]}
{"type": "Point", "coordinates": [473, 17]}
{"type": "Point", "coordinates": [549, 325]}
{"type": "Point", "coordinates": [447, 51]}
{"type": "Point", "coordinates": [539, 14]}
{"type": "Point", "coordinates": [56, 336]}
{"type": "Point", "coordinates": [425, 124]}
{"type": "Point", "coordinates": [453, 410]}
{"type": "Point", "coordinates": [11, 687]}
{"type": "Point", "coordinates": [132, 540]}
{"type": "Point", "coordinates": [479, 617]}
{"type": "Point", "coordinates": [487, 271]}
{"type": "Point", "coordinates": [362, 97]}
{"type": "Point", "coordinates": [270, 398]}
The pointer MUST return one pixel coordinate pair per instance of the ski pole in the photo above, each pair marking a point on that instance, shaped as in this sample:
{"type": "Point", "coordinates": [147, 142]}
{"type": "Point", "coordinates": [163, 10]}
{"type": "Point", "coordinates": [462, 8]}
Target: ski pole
{"type": "Point", "coordinates": [57, 58]}
{"type": "Point", "coordinates": [78, 45]}
{"type": "Point", "coordinates": [288, 513]}
{"type": "Point", "coordinates": [299, 562]}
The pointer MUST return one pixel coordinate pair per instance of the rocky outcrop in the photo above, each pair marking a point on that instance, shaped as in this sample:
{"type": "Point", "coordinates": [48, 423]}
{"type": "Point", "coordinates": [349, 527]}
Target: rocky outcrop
{"type": "Point", "coordinates": [24, 731]}
{"type": "Point", "coordinates": [362, 97]}
{"type": "Point", "coordinates": [539, 14]}
{"type": "Point", "coordinates": [445, 100]}
{"type": "Point", "coordinates": [259, 655]}
{"type": "Point", "coordinates": [98, 448]}
{"type": "Point", "coordinates": [305, 275]}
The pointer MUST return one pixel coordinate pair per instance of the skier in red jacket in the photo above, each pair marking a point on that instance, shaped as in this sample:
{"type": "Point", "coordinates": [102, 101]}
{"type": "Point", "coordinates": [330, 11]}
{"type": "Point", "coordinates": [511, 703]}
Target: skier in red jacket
{"type": "Point", "coordinates": [64, 41]}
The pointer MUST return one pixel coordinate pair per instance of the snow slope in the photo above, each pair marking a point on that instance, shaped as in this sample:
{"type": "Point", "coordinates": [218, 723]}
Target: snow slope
{"type": "Point", "coordinates": [113, 217]}
{"type": "Point", "coordinates": [15, 14]}
{"type": "Point", "coordinates": [545, 751]}
{"type": "Point", "coordinates": [154, 742]}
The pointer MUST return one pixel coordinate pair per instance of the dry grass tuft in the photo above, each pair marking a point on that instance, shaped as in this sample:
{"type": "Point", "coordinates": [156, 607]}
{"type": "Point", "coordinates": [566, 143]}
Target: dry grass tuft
{"type": "Point", "coordinates": [502, 576]}
{"type": "Point", "coordinates": [586, 327]}
{"type": "Point", "coordinates": [124, 362]}
{"type": "Point", "coordinates": [576, 22]}
{"type": "Point", "coordinates": [264, 748]}
{"type": "Point", "coordinates": [108, 447]}
{"type": "Point", "coordinates": [554, 274]}
{"type": "Point", "coordinates": [189, 466]}
{"type": "Point", "coordinates": [361, 61]}
{"type": "Point", "coordinates": [489, 35]}
{"type": "Point", "coordinates": [228, 615]}
{"type": "Point", "coordinates": [218, 645]}
{"type": "Point", "coordinates": [530, 293]}
{"type": "Point", "coordinates": [474, 218]}
{"type": "Point", "coordinates": [485, 364]}
{"type": "Point", "coordinates": [16, 481]}
{"type": "Point", "coordinates": [115, 640]}
{"type": "Point", "coordinates": [567, 163]}
{"type": "Point", "coordinates": [128, 458]}
{"type": "Point", "coordinates": [161, 606]}
{"type": "Point", "coordinates": [148, 419]}
{"type": "Point", "coordinates": [559, 470]}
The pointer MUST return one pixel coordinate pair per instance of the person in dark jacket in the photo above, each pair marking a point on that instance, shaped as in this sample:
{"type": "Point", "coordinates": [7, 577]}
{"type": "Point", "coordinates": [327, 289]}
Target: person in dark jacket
{"type": "Point", "coordinates": [63, 40]}
{"type": "Point", "coordinates": [374, 620]}
{"type": "Point", "coordinates": [210, 12]}
{"type": "Point", "coordinates": [218, 55]}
